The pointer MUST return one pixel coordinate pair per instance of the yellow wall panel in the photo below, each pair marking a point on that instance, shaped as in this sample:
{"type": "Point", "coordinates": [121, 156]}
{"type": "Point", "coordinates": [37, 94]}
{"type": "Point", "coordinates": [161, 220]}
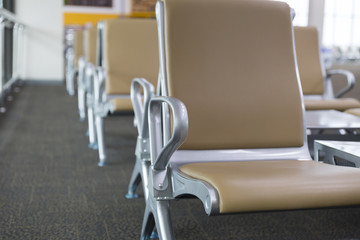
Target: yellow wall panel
{"type": "Point", "coordinates": [83, 18]}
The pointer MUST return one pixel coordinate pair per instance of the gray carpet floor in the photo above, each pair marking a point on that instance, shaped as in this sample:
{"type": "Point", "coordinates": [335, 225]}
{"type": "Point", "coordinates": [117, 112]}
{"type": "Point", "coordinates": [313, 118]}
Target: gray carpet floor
{"type": "Point", "coordinates": [52, 188]}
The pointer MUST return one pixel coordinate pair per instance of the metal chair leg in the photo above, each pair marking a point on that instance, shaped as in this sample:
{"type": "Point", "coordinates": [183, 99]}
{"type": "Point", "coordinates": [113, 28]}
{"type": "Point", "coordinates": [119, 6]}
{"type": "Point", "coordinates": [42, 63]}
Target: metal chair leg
{"type": "Point", "coordinates": [91, 122]}
{"type": "Point", "coordinates": [81, 103]}
{"type": "Point", "coordinates": [100, 140]}
{"type": "Point", "coordinates": [157, 214]}
{"type": "Point", "coordinates": [148, 223]}
{"type": "Point", "coordinates": [134, 182]}
{"type": "Point", "coordinates": [70, 82]}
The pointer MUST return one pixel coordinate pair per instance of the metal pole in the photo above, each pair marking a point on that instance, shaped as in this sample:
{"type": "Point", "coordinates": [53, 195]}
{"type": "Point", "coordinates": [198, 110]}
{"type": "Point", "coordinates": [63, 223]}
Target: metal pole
{"type": "Point", "coordinates": [15, 52]}
{"type": "Point", "coordinates": [2, 58]}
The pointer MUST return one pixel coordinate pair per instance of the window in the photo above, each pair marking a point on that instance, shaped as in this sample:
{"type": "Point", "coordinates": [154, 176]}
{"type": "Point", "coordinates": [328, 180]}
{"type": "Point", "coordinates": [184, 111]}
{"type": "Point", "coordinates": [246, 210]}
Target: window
{"type": "Point", "coordinates": [301, 8]}
{"type": "Point", "coordinates": [342, 24]}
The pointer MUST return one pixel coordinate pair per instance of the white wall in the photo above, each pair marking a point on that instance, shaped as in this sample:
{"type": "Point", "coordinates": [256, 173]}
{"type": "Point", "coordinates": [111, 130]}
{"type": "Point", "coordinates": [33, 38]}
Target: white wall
{"type": "Point", "coordinates": [43, 38]}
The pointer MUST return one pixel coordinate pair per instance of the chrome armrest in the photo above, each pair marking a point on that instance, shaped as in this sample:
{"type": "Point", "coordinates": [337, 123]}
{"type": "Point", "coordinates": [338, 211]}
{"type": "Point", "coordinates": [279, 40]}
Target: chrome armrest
{"type": "Point", "coordinates": [141, 102]}
{"type": "Point", "coordinates": [160, 155]}
{"type": "Point", "coordinates": [99, 85]}
{"type": "Point", "coordinates": [349, 77]}
{"type": "Point", "coordinates": [89, 75]}
{"type": "Point", "coordinates": [82, 67]}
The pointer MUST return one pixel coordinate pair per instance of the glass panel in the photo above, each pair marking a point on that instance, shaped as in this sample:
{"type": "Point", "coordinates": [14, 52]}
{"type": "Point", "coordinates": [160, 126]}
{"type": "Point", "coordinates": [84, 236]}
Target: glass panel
{"type": "Point", "coordinates": [300, 20]}
{"type": "Point", "coordinates": [356, 8]}
{"type": "Point", "coordinates": [329, 7]}
{"type": "Point", "coordinates": [356, 32]}
{"type": "Point", "coordinates": [328, 34]}
{"type": "Point", "coordinates": [344, 8]}
{"type": "Point", "coordinates": [343, 32]}
{"type": "Point", "coordinates": [342, 24]}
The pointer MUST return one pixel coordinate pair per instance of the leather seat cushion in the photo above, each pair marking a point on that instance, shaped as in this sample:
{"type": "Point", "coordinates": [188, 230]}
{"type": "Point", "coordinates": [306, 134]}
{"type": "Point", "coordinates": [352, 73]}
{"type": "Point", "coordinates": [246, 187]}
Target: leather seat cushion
{"type": "Point", "coordinates": [340, 104]}
{"type": "Point", "coordinates": [278, 185]}
{"type": "Point", "coordinates": [354, 111]}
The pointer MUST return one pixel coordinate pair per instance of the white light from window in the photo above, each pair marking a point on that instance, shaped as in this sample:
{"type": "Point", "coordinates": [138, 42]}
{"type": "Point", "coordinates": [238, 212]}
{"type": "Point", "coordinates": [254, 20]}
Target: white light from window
{"type": "Point", "coordinates": [301, 8]}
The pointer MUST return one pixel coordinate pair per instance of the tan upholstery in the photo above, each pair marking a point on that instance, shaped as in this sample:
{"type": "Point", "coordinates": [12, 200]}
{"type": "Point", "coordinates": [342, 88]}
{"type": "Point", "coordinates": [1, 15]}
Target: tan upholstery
{"type": "Point", "coordinates": [273, 185]}
{"type": "Point", "coordinates": [354, 111]}
{"type": "Point", "coordinates": [308, 60]}
{"type": "Point", "coordinates": [91, 45]}
{"type": "Point", "coordinates": [231, 110]}
{"type": "Point", "coordinates": [340, 104]}
{"type": "Point", "coordinates": [122, 104]}
{"type": "Point", "coordinates": [78, 45]}
{"type": "Point", "coordinates": [130, 51]}
{"type": "Point", "coordinates": [311, 73]}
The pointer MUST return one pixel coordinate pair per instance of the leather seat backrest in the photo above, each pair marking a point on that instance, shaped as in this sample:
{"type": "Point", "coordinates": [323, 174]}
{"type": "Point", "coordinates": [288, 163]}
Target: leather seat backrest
{"type": "Point", "coordinates": [91, 44]}
{"type": "Point", "coordinates": [233, 65]}
{"type": "Point", "coordinates": [308, 60]}
{"type": "Point", "coordinates": [130, 51]}
{"type": "Point", "coordinates": [78, 45]}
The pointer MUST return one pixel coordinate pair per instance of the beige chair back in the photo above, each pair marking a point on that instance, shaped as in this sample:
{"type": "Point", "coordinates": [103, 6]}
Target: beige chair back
{"type": "Point", "coordinates": [243, 93]}
{"type": "Point", "coordinates": [308, 59]}
{"type": "Point", "coordinates": [91, 44]}
{"type": "Point", "coordinates": [78, 45]}
{"type": "Point", "coordinates": [130, 51]}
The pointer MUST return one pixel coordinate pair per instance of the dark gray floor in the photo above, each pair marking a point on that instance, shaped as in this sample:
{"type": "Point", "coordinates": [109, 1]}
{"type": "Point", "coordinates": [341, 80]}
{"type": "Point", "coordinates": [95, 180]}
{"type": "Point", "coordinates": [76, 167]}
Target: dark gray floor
{"type": "Point", "coordinates": [51, 187]}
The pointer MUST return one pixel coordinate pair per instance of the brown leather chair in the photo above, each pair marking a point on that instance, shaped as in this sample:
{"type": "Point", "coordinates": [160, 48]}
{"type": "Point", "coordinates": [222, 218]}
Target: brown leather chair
{"type": "Point", "coordinates": [129, 49]}
{"type": "Point", "coordinates": [238, 141]}
{"type": "Point", "coordinates": [316, 85]}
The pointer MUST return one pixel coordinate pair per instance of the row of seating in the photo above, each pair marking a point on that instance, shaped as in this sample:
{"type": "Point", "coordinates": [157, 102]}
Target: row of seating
{"type": "Point", "coordinates": [316, 85]}
{"type": "Point", "coordinates": [316, 82]}
{"type": "Point", "coordinates": [226, 122]}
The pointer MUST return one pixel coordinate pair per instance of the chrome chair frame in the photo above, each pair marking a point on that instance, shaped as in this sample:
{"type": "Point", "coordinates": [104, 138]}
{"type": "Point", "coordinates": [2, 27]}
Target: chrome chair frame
{"type": "Point", "coordinates": [82, 84]}
{"type": "Point", "coordinates": [142, 151]}
{"type": "Point", "coordinates": [166, 182]}
{"type": "Point", "coordinates": [350, 78]}
{"type": "Point", "coordinates": [91, 76]}
{"type": "Point", "coordinates": [70, 70]}
{"type": "Point", "coordinates": [102, 104]}
{"type": "Point", "coordinates": [328, 86]}
{"type": "Point", "coordinates": [81, 88]}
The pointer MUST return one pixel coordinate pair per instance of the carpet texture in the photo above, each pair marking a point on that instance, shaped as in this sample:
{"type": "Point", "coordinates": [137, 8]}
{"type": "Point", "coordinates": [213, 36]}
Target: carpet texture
{"type": "Point", "coordinates": [52, 188]}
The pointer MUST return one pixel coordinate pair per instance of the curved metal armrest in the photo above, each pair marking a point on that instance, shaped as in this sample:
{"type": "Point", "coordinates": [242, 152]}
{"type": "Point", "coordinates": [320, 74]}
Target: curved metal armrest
{"type": "Point", "coordinates": [141, 116]}
{"type": "Point", "coordinates": [89, 73]}
{"type": "Point", "coordinates": [160, 156]}
{"type": "Point", "coordinates": [82, 67]}
{"type": "Point", "coordinates": [99, 84]}
{"type": "Point", "coordinates": [69, 54]}
{"type": "Point", "coordinates": [81, 62]}
{"type": "Point", "coordinates": [349, 77]}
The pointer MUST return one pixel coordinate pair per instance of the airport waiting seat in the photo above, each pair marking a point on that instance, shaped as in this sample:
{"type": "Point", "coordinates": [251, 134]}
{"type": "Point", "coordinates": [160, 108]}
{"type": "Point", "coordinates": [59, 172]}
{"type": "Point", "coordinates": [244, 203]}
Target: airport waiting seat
{"type": "Point", "coordinates": [73, 56]}
{"type": "Point", "coordinates": [316, 85]}
{"type": "Point", "coordinates": [238, 141]}
{"type": "Point", "coordinates": [129, 50]}
{"type": "Point", "coordinates": [86, 99]}
{"type": "Point", "coordinates": [89, 56]}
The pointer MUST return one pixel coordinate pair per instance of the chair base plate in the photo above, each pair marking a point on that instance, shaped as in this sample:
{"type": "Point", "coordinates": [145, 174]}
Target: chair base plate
{"type": "Point", "coordinates": [102, 164]}
{"type": "Point", "coordinates": [131, 196]}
